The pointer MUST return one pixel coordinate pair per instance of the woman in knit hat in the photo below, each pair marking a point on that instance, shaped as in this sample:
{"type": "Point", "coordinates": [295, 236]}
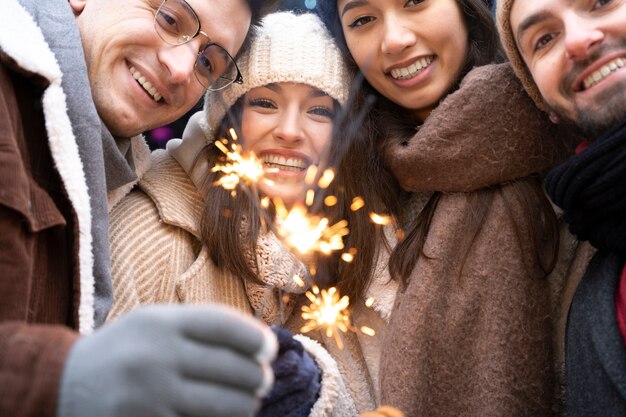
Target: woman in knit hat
{"type": "Point", "coordinates": [471, 332]}
{"type": "Point", "coordinates": [180, 238]}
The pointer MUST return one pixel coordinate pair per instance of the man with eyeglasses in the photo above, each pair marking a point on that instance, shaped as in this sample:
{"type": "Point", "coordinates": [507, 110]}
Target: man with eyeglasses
{"type": "Point", "coordinates": [79, 81]}
{"type": "Point", "coordinates": [571, 58]}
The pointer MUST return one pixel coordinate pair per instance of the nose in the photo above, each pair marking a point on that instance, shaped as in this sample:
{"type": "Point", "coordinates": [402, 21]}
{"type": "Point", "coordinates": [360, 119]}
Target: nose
{"type": "Point", "coordinates": [179, 61]}
{"type": "Point", "coordinates": [289, 129]}
{"type": "Point", "coordinates": [397, 36]}
{"type": "Point", "coordinates": [580, 37]}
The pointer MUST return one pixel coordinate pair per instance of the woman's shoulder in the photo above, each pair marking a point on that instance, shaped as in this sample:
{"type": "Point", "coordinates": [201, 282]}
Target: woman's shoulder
{"type": "Point", "coordinates": [164, 198]}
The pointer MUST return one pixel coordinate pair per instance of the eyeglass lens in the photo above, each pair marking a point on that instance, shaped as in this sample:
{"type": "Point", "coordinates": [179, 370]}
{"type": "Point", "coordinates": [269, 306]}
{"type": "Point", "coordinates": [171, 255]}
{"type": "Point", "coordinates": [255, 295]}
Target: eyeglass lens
{"type": "Point", "coordinates": [177, 23]}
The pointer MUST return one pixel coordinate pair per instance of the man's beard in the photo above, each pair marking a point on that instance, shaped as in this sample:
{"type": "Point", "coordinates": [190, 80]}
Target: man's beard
{"type": "Point", "coordinates": [600, 112]}
{"type": "Point", "coordinates": [593, 119]}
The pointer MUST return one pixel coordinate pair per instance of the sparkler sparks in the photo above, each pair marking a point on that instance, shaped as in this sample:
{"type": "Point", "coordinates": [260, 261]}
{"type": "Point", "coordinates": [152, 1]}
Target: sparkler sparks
{"type": "Point", "coordinates": [329, 311]}
{"type": "Point", "coordinates": [237, 166]}
{"type": "Point", "coordinates": [308, 233]}
{"type": "Point", "coordinates": [301, 231]}
{"type": "Point", "coordinates": [380, 219]}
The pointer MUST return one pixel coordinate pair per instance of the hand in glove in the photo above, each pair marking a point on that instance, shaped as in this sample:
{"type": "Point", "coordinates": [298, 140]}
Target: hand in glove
{"type": "Point", "coordinates": [169, 360]}
{"type": "Point", "coordinates": [296, 379]}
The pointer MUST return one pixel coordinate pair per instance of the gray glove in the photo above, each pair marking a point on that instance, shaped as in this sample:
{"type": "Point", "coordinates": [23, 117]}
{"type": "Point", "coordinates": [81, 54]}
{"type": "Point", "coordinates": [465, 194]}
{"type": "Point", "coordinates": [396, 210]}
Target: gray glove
{"type": "Point", "coordinates": [170, 360]}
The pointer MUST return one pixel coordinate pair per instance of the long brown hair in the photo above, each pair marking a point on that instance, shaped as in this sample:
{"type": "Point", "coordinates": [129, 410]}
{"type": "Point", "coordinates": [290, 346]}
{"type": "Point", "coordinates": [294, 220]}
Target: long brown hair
{"type": "Point", "coordinates": [389, 121]}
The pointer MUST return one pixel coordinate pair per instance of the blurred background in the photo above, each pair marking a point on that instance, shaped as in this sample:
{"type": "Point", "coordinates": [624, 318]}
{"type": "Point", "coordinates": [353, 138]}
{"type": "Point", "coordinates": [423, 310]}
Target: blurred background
{"type": "Point", "coordinates": [157, 138]}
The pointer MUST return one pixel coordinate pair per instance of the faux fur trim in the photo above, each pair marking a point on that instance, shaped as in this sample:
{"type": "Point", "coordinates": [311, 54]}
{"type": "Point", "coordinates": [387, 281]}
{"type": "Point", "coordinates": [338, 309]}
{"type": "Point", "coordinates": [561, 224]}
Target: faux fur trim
{"type": "Point", "coordinates": [333, 397]}
{"type": "Point", "coordinates": [142, 160]}
{"type": "Point", "coordinates": [36, 57]}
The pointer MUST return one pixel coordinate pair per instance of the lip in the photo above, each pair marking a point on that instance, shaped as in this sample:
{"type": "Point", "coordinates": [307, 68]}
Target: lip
{"type": "Point", "coordinates": [286, 153]}
{"type": "Point", "coordinates": [578, 86]}
{"type": "Point", "coordinates": [419, 78]}
{"type": "Point", "coordinates": [166, 96]}
{"type": "Point", "coordinates": [406, 63]}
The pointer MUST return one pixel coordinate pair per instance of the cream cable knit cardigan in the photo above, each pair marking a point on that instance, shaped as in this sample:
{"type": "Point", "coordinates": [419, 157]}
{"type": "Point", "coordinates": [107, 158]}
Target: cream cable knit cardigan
{"type": "Point", "coordinates": [157, 257]}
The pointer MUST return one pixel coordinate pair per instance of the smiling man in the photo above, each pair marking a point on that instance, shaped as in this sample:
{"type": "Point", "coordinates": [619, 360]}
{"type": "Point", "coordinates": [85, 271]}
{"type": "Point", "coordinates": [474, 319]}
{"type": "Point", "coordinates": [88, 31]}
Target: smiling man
{"type": "Point", "coordinates": [571, 57]}
{"type": "Point", "coordinates": [79, 81]}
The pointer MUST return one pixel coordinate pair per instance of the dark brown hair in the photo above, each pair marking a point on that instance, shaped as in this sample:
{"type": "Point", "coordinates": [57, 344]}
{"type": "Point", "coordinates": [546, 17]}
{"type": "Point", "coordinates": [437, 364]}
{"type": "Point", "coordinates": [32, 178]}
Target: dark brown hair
{"type": "Point", "coordinates": [389, 121]}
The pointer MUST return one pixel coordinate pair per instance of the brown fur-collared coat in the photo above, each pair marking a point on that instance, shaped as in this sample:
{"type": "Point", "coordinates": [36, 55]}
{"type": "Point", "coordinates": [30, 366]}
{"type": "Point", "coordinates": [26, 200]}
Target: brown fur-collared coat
{"type": "Point", "coordinates": [474, 332]}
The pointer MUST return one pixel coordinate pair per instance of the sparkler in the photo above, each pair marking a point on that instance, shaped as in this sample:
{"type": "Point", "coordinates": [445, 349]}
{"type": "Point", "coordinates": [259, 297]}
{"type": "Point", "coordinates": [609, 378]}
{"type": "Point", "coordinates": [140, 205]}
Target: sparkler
{"type": "Point", "coordinates": [308, 233]}
{"type": "Point", "coordinates": [303, 232]}
{"type": "Point", "coordinates": [328, 310]}
{"type": "Point", "coordinates": [237, 166]}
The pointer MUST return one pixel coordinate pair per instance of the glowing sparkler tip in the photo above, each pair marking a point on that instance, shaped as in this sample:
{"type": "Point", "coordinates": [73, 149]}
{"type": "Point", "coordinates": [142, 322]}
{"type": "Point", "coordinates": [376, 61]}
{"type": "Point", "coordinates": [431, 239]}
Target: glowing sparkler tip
{"type": "Point", "coordinates": [327, 177]}
{"type": "Point", "coordinates": [380, 219]}
{"type": "Point", "coordinates": [299, 281]}
{"type": "Point", "coordinates": [368, 331]}
{"type": "Point", "coordinates": [357, 203]}
{"type": "Point", "coordinates": [330, 200]}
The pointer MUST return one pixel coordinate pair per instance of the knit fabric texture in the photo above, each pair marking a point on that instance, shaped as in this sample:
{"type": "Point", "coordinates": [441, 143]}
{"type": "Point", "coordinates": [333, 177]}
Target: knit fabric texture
{"type": "Point", "coordinates": [503, 17]}
{"type": "Point", "coordinates": [286, 48]}
{"type": "Point", "coordinates": [591, 188]}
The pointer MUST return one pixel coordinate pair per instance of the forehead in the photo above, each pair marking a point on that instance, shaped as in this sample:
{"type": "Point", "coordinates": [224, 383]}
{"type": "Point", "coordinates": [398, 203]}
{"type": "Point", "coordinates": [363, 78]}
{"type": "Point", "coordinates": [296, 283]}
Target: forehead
{"type": "Point", "coordinates": [526, 12]}
{"type": "Point", "coordinates": [225, 22]}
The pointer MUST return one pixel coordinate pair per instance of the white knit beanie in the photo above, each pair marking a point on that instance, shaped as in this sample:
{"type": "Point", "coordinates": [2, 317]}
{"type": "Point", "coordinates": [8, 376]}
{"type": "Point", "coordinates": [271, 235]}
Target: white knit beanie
{"type": "Point", "coordinates": [286, 48]}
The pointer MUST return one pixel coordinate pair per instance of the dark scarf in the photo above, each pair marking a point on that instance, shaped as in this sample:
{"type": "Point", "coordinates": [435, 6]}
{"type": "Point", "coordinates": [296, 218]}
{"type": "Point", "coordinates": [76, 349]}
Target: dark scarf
{"type": "Point", "coordinates": [591, 189]}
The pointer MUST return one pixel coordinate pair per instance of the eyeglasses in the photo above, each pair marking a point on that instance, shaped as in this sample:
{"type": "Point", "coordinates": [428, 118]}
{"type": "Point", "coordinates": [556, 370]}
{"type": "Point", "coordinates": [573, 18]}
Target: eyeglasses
{"type": "Point", "coordinates": [177, 23]}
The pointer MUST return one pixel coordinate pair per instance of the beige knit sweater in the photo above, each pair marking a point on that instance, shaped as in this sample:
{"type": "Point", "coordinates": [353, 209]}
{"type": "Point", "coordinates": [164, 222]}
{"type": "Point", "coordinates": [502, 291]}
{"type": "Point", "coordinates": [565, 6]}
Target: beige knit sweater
{"type": "Point", "coordinates": [157, 257]}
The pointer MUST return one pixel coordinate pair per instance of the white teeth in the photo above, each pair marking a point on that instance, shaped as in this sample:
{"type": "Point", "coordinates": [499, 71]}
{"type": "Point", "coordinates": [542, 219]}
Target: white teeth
{"type": "Point", "coordinates": [145, 84]}
{"type": "Point", "coordinates": [603, 72]}
{"type": "Point", "coordinates": [411, 70]}
{"type": "Point", "coordinates": [285, 164]}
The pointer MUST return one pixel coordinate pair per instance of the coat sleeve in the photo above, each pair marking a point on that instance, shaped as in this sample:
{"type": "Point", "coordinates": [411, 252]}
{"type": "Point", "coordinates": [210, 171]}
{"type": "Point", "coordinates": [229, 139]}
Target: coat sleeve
{"type": "Point", "coordinates": [31, 356]}
{"type": "Point", "coordinates": [31, 364]}
{"type": "Point", "coordinates": [472, 333]}
{"type": "Point", "coordinates": [334, 400]}
{"type": "Point", "coordinates": [140, 246]}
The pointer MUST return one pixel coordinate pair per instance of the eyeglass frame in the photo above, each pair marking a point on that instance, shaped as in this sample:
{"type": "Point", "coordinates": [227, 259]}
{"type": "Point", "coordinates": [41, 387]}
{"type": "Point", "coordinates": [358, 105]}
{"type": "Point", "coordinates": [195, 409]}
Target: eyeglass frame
{"type": "Point", "coordinates": [238, 79]}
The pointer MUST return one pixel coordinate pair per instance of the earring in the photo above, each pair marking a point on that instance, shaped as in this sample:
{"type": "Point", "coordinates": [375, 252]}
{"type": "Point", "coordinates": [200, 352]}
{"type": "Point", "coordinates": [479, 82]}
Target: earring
{"type": "Point", "coordinates": [554, 118]}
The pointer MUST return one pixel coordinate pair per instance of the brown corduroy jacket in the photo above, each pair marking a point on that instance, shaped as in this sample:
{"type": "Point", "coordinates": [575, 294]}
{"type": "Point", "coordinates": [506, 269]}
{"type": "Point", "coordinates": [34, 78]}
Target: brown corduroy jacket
{"type": "Point", "coordinates": [475, 331]}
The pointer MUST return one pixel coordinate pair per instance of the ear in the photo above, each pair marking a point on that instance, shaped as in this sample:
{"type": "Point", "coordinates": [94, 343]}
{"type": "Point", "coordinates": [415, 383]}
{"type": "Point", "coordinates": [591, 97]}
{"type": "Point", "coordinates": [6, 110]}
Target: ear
{"type": "Point", "coordinates": [554, 118]}
{"type": "Point", "coordinates": [77, 6]}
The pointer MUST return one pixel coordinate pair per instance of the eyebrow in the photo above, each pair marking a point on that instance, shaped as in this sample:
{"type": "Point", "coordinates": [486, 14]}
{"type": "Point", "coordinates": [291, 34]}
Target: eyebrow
{"type": "Point", "coordinates": [530, 21]}
{"type": "Point", "coordinates": [352, 5]}
{"type": "Point", "coordinates": [316, 92]}
{"type": "Point", "coordinates": [273, 87]}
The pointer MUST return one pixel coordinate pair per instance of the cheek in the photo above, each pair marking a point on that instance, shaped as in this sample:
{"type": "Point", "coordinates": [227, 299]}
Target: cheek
{"type": "Point", "coordinates": [253, 127]}
{"type": "Point", "coordinates": [458, 52]}
{"type": "Point", "coordinates": [546, 78]}
{"type": "Point", "coordinates": [363, 53]}
{"type": "Point", "coordinates": [322, 143]}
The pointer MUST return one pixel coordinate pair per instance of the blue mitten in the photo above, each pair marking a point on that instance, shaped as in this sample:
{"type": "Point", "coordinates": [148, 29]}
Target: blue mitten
{"type": "Point", "coordinates": [296, 379]}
